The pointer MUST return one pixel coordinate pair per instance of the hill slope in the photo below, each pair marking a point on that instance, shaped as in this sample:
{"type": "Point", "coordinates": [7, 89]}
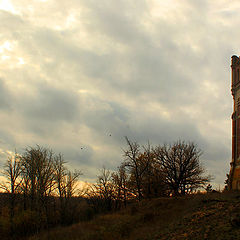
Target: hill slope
{"type": "Point", "coordinates": [201, 216]}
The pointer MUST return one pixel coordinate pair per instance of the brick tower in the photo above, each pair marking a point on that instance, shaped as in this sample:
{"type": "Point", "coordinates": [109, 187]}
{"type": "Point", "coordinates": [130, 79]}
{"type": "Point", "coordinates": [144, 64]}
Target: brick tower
{"type": "Point", "coordinates": [234, 176]}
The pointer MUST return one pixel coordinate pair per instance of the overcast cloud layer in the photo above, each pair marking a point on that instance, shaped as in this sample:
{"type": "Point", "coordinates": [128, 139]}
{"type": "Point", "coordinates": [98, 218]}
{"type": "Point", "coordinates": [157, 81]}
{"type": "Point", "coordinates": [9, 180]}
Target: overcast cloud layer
{"type": "Point", "coordinates": [85, 73]}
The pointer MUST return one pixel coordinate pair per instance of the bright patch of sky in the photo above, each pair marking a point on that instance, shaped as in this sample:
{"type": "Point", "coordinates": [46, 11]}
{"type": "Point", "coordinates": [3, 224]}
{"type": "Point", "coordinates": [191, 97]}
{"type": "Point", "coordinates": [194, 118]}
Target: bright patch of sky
{"type": "Point", "coordinates": [6, 5]}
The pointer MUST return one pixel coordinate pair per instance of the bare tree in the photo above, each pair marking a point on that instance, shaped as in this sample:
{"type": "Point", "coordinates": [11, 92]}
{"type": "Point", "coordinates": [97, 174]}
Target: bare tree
{"type": "Point", "coordinates": [29, 173]}
{"type": "Point", "coordinates": [137, 164]}
{"type": "Point", "coordinates": [60, 179]}
{"type": "Point", "coordinates": [12, 171]}
{"type": "Point", "coordinates": [181, 167]}
{"type": "Point", "coordinates": [66, 184]}
{"type": "Point", "coordinates": [120, 181]}
{"type": "Point", "coordinates": [38, 180]}
{"type": "Point", "coordinates": [72, 182]}
{"type": "Point", "coordinates": [60, 174]}
{"type": "Point", "coordinates": [105, 188]}
{"type": "Point", "coordinates": [101, 195]}
{"type": "Point", "coordinates": [147, 161]}
{"type": "Point", "coordinates": [37, 166]}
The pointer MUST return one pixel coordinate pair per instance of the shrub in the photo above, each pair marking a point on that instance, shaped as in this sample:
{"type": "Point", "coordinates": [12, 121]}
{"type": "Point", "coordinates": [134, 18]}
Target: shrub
{"type": "Point", "coordinates": [28, 222]}
{"type": "Point", "coordinates": [4, 226]}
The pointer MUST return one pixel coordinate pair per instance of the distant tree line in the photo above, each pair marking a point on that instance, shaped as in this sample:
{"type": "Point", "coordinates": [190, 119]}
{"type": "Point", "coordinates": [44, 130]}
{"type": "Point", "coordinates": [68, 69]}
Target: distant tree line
{"type": "Point", "coordinates": [43, 193]}
{"type": "Point", "coordinates": [40, 189]}
{"type": "Point", "coordinates": [149, 172]}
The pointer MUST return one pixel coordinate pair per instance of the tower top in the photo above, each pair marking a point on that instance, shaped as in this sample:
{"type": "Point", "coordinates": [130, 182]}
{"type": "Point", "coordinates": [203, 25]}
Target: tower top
{"type": "Point", "coordinates": [235, 61]}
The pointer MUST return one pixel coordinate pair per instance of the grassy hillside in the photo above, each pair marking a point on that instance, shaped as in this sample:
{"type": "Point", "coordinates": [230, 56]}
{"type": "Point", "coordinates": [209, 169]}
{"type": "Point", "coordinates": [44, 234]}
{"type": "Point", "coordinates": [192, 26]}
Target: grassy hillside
{"type": "Point", "coordinates": [202, 216]}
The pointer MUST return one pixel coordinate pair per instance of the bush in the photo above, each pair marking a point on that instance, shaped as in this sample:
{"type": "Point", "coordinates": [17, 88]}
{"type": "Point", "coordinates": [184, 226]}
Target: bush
{"type": "Point", "coordinates": [4, 226]}
{"type": "Point", "coordinates": [28, 222]}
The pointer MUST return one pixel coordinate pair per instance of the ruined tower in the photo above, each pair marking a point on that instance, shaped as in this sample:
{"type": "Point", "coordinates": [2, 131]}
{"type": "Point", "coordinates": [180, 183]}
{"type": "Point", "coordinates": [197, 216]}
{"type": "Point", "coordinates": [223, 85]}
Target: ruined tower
{"type": "Point", "coordinates": [234, 176]}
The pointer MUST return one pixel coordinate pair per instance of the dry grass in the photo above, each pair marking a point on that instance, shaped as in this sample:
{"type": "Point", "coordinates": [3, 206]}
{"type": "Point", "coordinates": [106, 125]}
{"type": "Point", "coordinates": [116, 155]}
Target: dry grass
{"type": "Point", "coordinates": [209, 216]}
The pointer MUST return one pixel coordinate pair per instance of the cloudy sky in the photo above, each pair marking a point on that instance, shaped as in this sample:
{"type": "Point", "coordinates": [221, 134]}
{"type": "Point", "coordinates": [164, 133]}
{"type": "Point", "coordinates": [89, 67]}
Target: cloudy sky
{"type": "Point", "coordinates": [77, 76]}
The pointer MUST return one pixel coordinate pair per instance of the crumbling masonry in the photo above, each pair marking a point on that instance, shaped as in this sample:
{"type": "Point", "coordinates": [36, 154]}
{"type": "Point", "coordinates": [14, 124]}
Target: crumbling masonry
{"type": "Point", "coordinates": [234, 176]}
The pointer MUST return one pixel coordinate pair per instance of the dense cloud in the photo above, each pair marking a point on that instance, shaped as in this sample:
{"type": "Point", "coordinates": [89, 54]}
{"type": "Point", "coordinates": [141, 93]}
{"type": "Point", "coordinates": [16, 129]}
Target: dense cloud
{"type": "Point", "coordinates": [77, 77]}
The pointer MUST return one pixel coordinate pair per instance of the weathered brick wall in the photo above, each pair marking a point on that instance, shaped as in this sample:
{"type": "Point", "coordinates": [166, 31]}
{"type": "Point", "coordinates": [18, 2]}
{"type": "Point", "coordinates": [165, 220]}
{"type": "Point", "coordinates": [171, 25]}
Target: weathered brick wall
{"type": "Point", "coordinates": [235, 163]}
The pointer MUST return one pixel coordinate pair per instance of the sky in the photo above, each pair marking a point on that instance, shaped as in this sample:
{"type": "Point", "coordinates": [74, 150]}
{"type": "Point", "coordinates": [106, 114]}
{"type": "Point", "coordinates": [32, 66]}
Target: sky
{"type": "Point", "coordinates": [77, 76]}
